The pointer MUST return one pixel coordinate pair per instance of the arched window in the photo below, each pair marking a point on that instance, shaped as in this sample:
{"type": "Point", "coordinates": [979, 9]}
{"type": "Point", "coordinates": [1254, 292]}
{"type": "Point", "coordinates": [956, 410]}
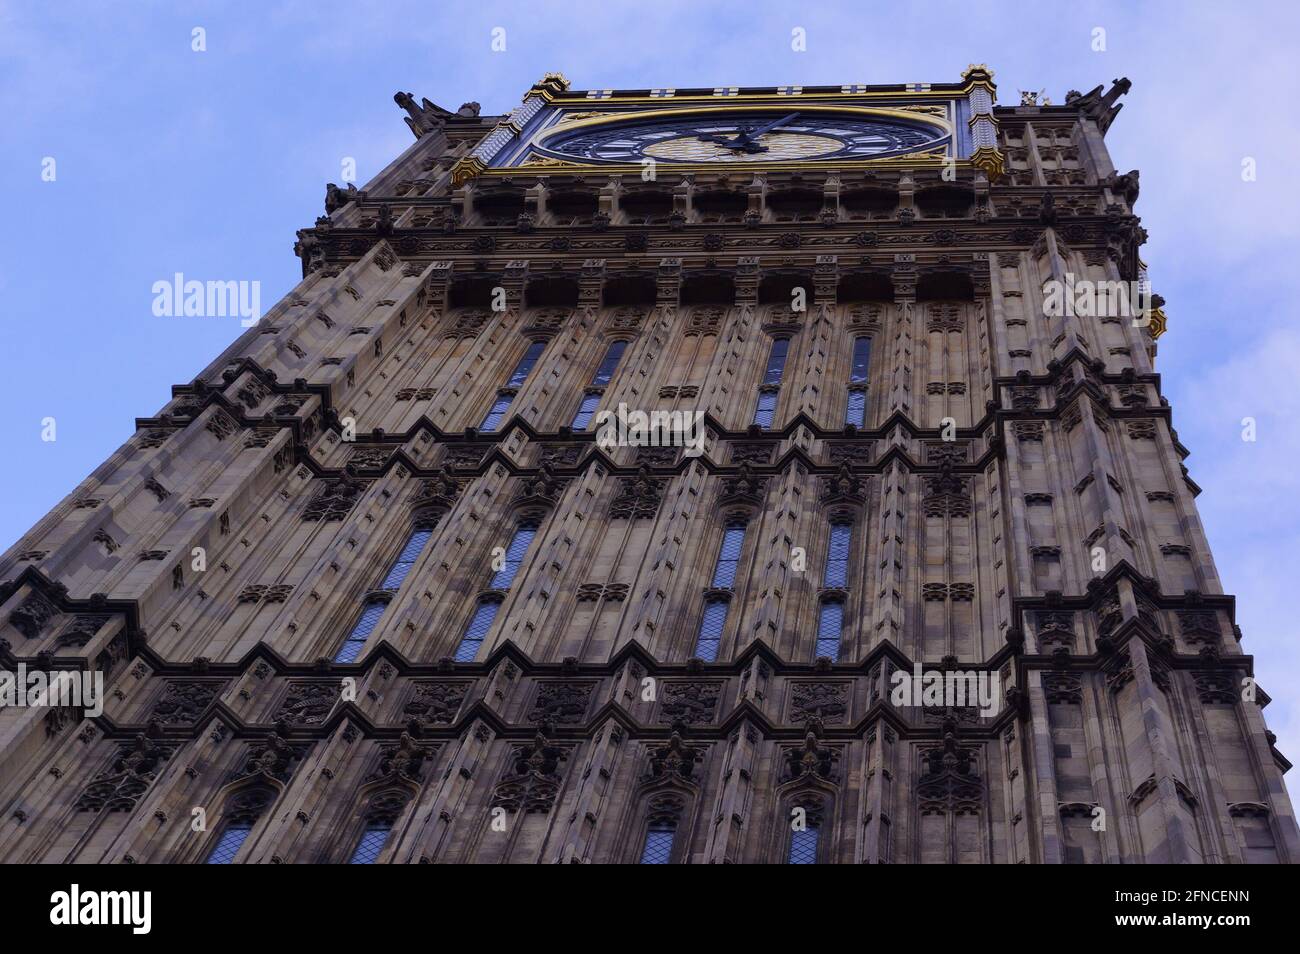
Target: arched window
{"type": "Point", "coordinates": [604, 374]}
{"type": "Point", "coordinates": [486, 611]}
{"type": "Point", "coordinates": [714, 619]}
{"type": "Point", "coordinates": [586, 410]}
{"type": "Point", "coordinates": [858, 374]}
{"type": "Point", "coordinates": [724, 571]}
{"type": "Point", "coordinates": [830, 624]}
{"type": "Point", "coordinates": [374, 607]}
{"type": "Point", "coordinates": [497, 412]}
{"type": "Point", "coordinates": [806, 816]}
{"type": "Point", "coordinates": [232, 839]}
{"type": "Point", "coordinates": [373, 838]}
{"type": "Point", "coordinates": [770, 389]}
{"type": "Point", "coordinates": [479, 626]}
{"type": "Point", "coordinates": [803, 845]}
{"type": "Point", "coordinates": [665, 816]}
{"type": "Point", "coordinates": [613, 355]}
{"type": "Point", "coordinates": [525, 365]}
{"type": "Point", "coordinates": [837, 554]}
{"type": "Point", "coordinates": [835, 578]}
{"type": "Point", "coordinates": [241, 814]}
{"type": "Point", "coordinates": [406, 559]}
{"type": "Point", "coordinates": [712, 623]}
{"type": "Point", "coordinates": [381, 814]}
{"type": "Point", "coordinates": [361, 630]}
{"type": "Point", "coordinates": [658, 847]}
{"type": "Point", "coordinates": [514, 558]}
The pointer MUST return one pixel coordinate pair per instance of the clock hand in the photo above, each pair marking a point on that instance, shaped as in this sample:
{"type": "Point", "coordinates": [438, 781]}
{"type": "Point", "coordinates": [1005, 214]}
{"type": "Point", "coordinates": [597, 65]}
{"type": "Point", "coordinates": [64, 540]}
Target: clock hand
{"type": "Point", "coordinates": [762, 130]}
{"type": "Point", "coordinates": [746, 139]}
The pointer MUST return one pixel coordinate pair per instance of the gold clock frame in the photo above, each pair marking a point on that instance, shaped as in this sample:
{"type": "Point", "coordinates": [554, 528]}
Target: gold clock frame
{"type": "Point", "coordinates": [539, 158]}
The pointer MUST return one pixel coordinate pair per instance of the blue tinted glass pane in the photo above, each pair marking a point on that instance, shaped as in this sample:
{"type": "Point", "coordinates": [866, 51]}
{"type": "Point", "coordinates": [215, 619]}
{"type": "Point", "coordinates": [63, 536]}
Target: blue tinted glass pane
{"type": "Point", "coordinates": [776, 361]}
{"type": "Point", "coordinates": [658, 846]}
{"type": "Point", "coordinates": [711, 625]}
{"type": "Point", "coordinates": [837, 557]}
{"type": "Point", "coordinates": [856, 413]}
{"type": "Point", "coordinates": [765, 409]}
{"type": "Point", "coordinates": [478, 628]}
{"type": "Point", "coordinates": [519, 544]}
{"type": "Point", "coordinates": [228, 845]}
{"type": "Point", "coordinates": [829, 624]}
{"type": "Point", "coordinates": [607, 367]}
{"type": "Point", "coordinates": [496, 415]}
{"type": "Point", "coordinates": [724, 574]}
{"type": "Point", "coordinates": [525, 365]}
{"type": "Point", "coordinates": [803, 847]}
{"type": "Point", "coordinates": [406, 559]}
{"type": "Point", "coordinates": [370, 845]}
{"type": "Point", "coordinates": [582, 419]}
{"type": "Point", "coordinates": [861, 360]}
{"type": "Point", "coordinates": [365, 625]}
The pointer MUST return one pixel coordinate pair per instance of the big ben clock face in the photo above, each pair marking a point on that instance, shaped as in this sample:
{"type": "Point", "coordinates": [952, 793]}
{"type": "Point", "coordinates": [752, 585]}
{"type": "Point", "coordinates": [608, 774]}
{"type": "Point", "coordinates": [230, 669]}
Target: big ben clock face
{"type": "Point", "coordinates": [762, 136]}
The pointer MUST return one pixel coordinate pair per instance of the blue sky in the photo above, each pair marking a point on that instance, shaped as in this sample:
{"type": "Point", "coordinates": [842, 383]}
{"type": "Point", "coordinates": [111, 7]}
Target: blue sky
{"type": "Point", "coordinates": [206, 163]}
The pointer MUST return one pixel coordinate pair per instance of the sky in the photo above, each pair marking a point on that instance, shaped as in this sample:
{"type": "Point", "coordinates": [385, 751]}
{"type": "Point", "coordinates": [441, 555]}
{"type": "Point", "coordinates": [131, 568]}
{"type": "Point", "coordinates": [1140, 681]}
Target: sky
{"type": "Point", "coordinates": [169, 159]}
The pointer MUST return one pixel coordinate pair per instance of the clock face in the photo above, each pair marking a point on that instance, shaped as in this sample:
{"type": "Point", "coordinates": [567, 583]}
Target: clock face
{"type": "Point", "coordinates": [763, 136]}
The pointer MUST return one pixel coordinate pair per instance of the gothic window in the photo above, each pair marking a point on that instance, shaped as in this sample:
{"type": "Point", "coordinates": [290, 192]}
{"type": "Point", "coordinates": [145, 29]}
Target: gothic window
{"type": "Point", "coordinates": [724, 572]}
{"type": "Point", "coordinates": [380, 816]}
{"type": "Point", "coordinates": [372, 842]}
{"type": "Point", "coordinates": [361, 630]}
{"type": "Point", "coordinates": [664, 814]}
{"type": "Point", "coordinates": [232, 839]}
{"type": "Point", "coordinates": [242, 812]}
{"type": "Point", "coordinates": [835, 578]}
{"type": "Point", "coordinates": [805, 818]}
{"type": "Point", "coordinates": [375, 606]}
{"type": "Point", "coordinates": [496, 414]}
{"type": "Point", "coordinates": [604, 374]}
{"type": "Point", "coordinates": [590, 401]}
{"type": "Point", "coordinates": [486, 610]}
{"type": "Point", "coordinates": [803, 846]}
{"type": "Point", "coordinates": [830, 623]}
{"type": "Point", "coordinates": [771, 386]}
{"type": "Point", "coordinates": [406, 559]}
{"type": "Point", "coordinates": [658, 847]}
{"type": "Point", "coordinates": [515, 554]}
{"type": "Point", "coordinates": [857, 405]}
{"type": "Point", "coordinates": [477, 631]}
{"type": "Point", "coordinates": [837, 556]}
{"type": "Point", "coordinates": [714, 618]}
{"type": "Point", "coordinates": [525, 365]}
{"type": "Point", "coordinates": [711, 626]}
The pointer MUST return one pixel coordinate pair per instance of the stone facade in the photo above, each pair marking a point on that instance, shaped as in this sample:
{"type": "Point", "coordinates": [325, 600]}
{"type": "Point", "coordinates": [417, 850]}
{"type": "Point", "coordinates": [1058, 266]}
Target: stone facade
{"type": "Point", "coordinates": [215, 565]}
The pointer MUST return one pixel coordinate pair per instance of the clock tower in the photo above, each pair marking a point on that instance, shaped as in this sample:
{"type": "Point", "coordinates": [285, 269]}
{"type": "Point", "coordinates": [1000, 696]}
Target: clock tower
{"type": "Point", "coordinates": [772, 475]}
